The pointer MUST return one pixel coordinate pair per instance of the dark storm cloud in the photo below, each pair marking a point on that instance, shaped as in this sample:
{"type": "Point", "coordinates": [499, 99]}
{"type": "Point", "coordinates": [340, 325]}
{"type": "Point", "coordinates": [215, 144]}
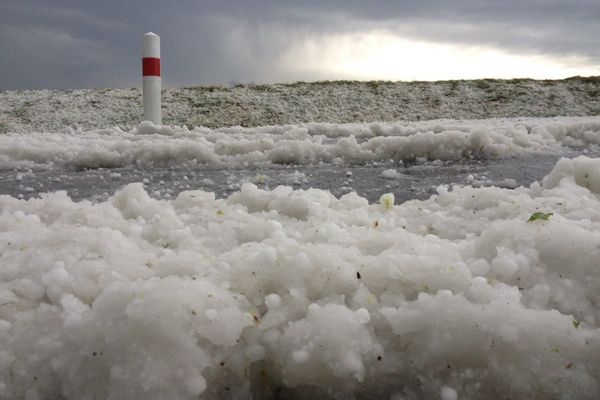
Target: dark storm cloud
{"type": "Point", "coordinates": [60, 44]}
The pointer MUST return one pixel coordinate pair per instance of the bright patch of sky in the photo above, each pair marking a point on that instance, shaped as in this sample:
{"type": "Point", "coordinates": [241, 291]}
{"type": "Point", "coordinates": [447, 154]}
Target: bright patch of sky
{"type": "Point", "coordinates": [385, 56]}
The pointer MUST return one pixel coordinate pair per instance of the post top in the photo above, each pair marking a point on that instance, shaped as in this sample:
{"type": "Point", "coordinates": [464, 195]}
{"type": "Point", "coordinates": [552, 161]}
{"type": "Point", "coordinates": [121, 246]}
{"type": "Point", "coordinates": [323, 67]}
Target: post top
{"type": "Point", "coordinates": [151, 45]}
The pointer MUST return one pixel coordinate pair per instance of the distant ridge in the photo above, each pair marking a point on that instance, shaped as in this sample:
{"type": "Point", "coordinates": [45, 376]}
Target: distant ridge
{"type": "Point", "coordinates": [302, 102]}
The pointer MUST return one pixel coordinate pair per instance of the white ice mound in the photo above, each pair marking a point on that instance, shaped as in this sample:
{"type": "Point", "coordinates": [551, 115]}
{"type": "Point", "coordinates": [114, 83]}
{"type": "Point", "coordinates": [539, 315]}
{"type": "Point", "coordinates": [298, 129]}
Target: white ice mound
{"type": "Point", "coordinates": [299, 144]}
{"type": "Point", "coordinates": [583, 170]}
{"type": "Point", "coordinates": [475, 293]}
{"type": "Point", "coordinates": [148, 128]}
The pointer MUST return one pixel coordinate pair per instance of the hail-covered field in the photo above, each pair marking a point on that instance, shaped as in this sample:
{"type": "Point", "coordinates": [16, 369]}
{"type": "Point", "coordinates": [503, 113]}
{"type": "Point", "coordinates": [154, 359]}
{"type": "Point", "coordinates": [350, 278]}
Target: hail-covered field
{"type": "Point", "coordinates": [302, 241]}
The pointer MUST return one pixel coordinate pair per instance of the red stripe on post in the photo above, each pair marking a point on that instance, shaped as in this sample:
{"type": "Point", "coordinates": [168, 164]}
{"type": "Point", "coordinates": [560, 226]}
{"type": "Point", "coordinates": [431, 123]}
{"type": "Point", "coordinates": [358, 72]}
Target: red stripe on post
{"type": "Point", "coordinates": [150, 66]}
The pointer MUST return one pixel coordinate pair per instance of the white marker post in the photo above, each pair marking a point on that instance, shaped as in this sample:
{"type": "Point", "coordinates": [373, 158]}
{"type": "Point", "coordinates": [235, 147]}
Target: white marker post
{"type": "Point", "coordinates": [151, 73]}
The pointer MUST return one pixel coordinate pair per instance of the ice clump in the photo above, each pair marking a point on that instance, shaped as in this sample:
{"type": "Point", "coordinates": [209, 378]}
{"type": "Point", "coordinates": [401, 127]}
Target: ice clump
{"type": "Point", "coordinates": [390, 174]}
{"type": "Point", "coordinates": [387, 201]}
{"type": "Point", "coordinates": [297, 293]}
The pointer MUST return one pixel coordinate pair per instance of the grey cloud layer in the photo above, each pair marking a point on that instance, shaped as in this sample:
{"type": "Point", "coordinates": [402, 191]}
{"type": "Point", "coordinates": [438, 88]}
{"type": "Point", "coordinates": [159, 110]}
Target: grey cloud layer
{"type": "Point", "coordinates": [61, 44]}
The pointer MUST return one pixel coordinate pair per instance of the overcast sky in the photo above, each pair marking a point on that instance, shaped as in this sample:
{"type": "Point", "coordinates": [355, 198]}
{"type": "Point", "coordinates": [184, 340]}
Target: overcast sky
{"type": "Point", "coordinates": [81, 44]}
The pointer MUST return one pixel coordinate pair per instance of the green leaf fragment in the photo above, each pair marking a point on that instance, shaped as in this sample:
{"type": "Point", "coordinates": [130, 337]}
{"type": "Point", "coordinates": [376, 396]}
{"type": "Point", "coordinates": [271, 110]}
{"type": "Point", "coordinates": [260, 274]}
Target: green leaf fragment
{"type": "Point", "coordinates": [539, 215]}
{"type": "Point", "coordinates": [576, 323]}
